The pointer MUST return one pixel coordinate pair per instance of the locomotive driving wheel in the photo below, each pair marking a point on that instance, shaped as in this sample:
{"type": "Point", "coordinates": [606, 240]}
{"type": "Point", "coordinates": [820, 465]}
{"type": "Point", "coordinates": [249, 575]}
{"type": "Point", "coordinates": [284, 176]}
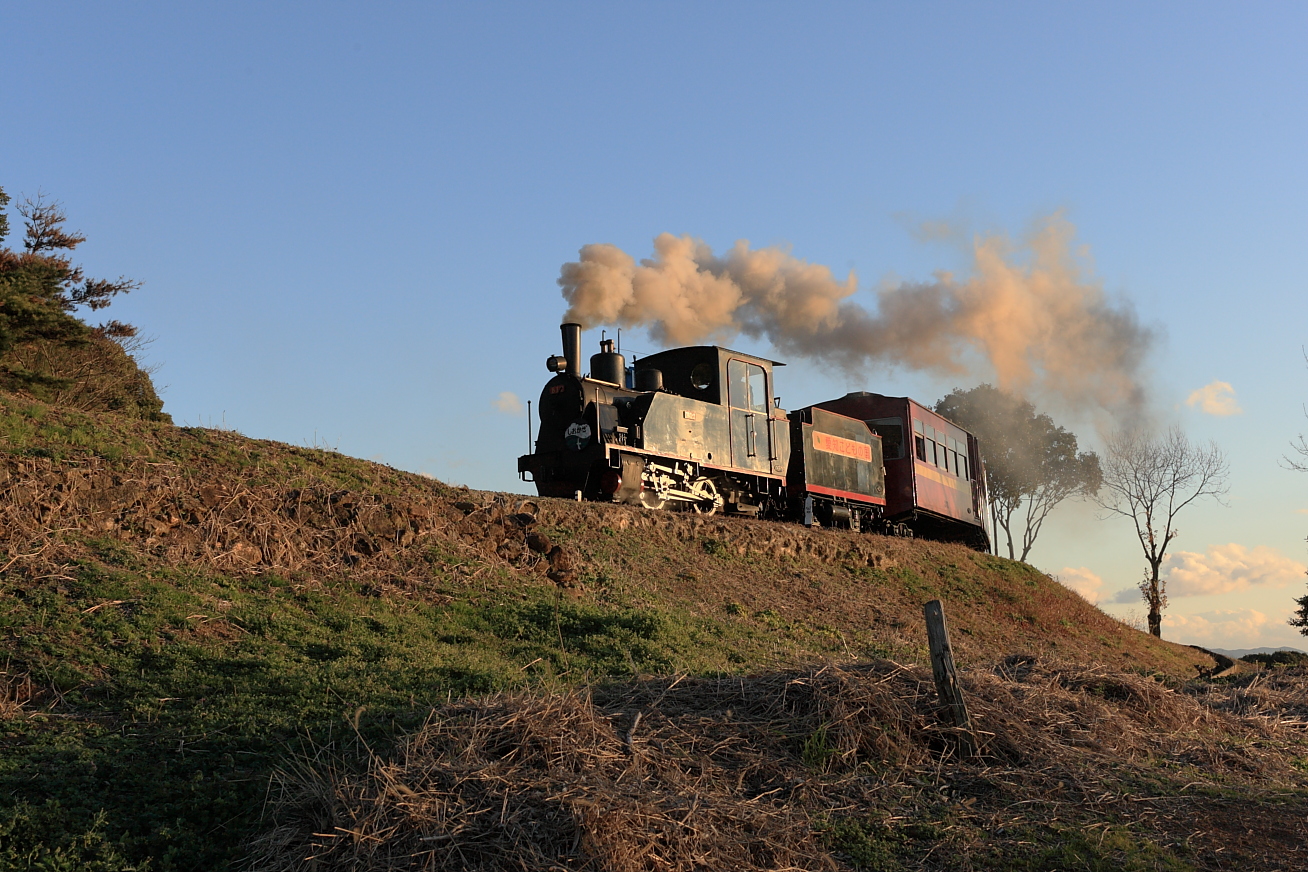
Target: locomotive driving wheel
{"type": "Point", "coordinates": [651, 499]}
{"type": "Point", "coordinates": [707, 499]}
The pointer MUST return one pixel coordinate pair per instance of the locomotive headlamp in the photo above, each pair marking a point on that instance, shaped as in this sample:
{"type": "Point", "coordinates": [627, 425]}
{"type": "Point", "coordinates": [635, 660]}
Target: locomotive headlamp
{"type": "Point", "coordinates": [556, 363]}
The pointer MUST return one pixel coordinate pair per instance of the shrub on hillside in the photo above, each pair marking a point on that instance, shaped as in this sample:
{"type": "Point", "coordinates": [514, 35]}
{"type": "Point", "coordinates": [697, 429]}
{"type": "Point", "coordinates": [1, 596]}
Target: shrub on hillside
{"type": "Point", "coordinates": [46, 350]}
{"type": "Point", "coordinates": [1278, 658]}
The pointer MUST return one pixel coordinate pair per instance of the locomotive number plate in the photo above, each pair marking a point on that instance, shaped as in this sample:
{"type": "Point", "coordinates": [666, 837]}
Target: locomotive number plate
{"type": "Point", "coordinates": [844, 447]}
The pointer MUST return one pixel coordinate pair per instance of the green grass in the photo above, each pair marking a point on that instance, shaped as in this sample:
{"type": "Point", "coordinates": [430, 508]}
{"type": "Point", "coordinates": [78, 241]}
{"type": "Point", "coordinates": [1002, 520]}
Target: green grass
{"type": "Point", "coordinates": [32, 429]}
{"type": "Point", "coordinates": [1054, 849]}
{"type": "Point", "coordinates": [873, 846]}
{"type": "Point", "coordinates": [179, 691]}
{"type": "Point", "coordinates": [167, 695]}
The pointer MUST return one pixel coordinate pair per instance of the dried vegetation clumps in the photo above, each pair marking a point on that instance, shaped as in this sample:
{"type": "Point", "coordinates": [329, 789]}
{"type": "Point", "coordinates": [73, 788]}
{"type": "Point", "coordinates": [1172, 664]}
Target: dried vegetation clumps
{"type": "Point", "coordinates": [751, 773]}
{"type": "Point", "coordinates": [737, 537]}
{"type": "Point", "coordinates": [178, 515]}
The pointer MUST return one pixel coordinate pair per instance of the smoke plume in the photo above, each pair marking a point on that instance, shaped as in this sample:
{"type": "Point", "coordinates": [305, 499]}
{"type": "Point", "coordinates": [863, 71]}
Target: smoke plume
{"type": "Point", "coordinates": [1026, 316]}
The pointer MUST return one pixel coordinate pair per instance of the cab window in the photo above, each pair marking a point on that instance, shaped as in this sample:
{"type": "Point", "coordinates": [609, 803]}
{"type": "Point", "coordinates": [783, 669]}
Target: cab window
{"type": "Point", "coordinates": [747, 386]}
{"type": "Point", "coordinates": [703, 376]}
{"type": "Point", "coordinates": [891, 431]}
{"type": "Point", "coordinates": [758, 387]}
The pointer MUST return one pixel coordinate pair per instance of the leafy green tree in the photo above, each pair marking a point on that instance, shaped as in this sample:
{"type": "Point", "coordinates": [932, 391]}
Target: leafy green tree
{"type": "Point", "coordinates": [1150, 479]}
{"type": "Point", "coordinates": [46, 350]}
{"type": "Point", "coordinates": [1300, 618]}
{"type": "Point", "coordinates": [1032, 464]}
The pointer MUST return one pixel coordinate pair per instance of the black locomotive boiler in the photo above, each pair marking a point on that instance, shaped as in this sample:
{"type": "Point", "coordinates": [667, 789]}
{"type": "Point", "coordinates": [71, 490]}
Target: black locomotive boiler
{"type": "Point", "coordinates": [699, 428]}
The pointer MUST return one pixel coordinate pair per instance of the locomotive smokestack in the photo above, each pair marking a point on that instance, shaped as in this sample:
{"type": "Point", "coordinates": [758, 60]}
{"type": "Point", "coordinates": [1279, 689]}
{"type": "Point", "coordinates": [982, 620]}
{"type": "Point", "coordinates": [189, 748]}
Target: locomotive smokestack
{"type": "Point", "coordinates": [572, 348]}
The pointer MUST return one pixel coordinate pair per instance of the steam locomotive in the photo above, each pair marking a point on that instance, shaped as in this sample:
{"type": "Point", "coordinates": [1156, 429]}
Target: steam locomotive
{"type": "Point", "coordinates": [700, 428]}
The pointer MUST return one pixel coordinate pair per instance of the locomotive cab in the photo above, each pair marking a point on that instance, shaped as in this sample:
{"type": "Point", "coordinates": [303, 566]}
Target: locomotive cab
{"type": "Point", "coordinates": [745, 426]}
{"type": "Point", "coordinates": [705, 433]}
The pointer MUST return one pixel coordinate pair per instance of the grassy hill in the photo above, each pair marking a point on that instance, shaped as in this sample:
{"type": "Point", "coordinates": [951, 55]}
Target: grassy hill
{"type": "Point", "coordinates": [218, 647]}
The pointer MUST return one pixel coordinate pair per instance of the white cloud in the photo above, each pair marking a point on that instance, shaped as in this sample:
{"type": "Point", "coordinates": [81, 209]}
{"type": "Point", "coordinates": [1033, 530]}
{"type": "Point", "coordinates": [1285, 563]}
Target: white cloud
{"type": "Point", "coordinates": [1217, 398]}
{"type": "Point", "coordinates": [1081, 580]}
{"type": "Point", "coordinates": [508, 403]}
{"type": "Point", "coordinates": [1230, 628]}
{"type": "Point", "coordinates": [1229, 568]}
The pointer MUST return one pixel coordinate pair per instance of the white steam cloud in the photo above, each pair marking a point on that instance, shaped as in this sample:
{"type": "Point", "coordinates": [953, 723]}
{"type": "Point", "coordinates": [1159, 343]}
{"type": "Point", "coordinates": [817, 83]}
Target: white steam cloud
{"type": "Point", "coordinates": [1026, 316]}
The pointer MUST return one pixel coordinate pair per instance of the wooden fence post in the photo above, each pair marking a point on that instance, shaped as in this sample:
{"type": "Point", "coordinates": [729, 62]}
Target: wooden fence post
{"type": "Point", "coordinates": [946, 676]}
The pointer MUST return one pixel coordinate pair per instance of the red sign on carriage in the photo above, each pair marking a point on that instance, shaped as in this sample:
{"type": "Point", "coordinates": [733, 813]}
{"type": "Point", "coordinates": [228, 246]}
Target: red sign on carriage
{"type": "Point", "coordinates": [844, 447]}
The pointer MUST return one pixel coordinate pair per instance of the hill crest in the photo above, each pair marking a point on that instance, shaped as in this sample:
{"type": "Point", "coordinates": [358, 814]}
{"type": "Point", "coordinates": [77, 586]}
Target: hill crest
{"type": "Point", "coordinates": [73, 483]}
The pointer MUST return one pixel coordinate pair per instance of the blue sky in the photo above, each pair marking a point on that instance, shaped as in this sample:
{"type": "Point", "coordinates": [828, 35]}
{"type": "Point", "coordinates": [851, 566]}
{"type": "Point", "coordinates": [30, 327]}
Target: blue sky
{"type": "Point", "coordinates": [349, 218]}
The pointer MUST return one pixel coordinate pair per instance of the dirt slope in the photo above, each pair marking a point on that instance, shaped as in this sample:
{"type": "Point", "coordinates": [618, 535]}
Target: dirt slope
{"type": "Point", "coordinates": [189, 613]}
{"type": "Point", "coordinates": [214, 499]}
{"type": "Point", "coordinates": [863, 593]}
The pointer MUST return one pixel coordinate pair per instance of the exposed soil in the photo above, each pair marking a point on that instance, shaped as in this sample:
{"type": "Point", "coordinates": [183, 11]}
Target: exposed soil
{"type": "Point", "coordinates": [825, 751]}
{"type": "Point", "coordinates": [290, 515]}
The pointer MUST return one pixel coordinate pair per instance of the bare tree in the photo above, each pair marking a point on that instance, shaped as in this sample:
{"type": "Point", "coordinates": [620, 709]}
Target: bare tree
{"type": "Point", "coordinates": [1299, 446]}
{"type": "Point", "coordinates": [1150, 480]}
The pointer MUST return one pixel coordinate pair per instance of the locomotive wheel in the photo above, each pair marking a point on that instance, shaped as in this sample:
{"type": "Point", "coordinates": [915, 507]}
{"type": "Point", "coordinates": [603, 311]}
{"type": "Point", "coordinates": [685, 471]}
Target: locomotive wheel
{"type": "Point", "coordinates": [707, 499]}
{"type": "Point", "coordinates": [651, 500]}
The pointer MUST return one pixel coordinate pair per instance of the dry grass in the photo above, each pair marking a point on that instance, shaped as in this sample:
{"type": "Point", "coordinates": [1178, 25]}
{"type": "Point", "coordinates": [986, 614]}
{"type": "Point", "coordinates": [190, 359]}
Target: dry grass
{"type": "Point", "coordinates": [136, 495]}
{"type": "Point", "coordinates": [696, 774]}
{"type": "Point", "coordinates": [691, 773]}
{"type": "Point", "coordinates": [16, 693]}
{"type": "Point", "coordinates": [193, 515]}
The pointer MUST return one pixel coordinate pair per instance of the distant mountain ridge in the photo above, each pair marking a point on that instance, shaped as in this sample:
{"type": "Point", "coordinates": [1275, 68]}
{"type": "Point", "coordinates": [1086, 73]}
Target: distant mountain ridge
{"type": "Point", "coordinates": [1237, 653]}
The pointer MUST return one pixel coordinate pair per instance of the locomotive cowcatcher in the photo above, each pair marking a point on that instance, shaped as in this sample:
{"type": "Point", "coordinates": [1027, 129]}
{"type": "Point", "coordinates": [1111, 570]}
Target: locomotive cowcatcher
{"type": "Point", "coordinates": [699, 428]}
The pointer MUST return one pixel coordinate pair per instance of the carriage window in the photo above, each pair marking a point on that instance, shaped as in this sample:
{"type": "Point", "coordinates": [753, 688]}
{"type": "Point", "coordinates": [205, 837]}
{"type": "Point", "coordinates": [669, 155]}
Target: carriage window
{"type": "Point", "coordinates": [920, 445]}
{"type": "Point", "coordinates": [967, 474]}
{"type": "Point", "coordinates": [891, 431]}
